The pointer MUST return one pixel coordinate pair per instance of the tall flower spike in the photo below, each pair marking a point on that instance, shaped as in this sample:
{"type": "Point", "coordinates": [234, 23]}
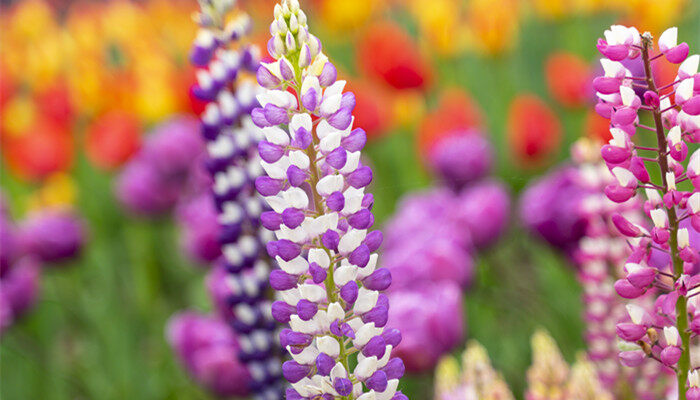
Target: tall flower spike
{"type": "Point", "coordinates": [600, 255]}
{"type": "Point", "coordinates": [329, 282]}
{"type": "Point", "coordinates": [675, 279]}
{"type": "Point", "coordinates": [225, 81]}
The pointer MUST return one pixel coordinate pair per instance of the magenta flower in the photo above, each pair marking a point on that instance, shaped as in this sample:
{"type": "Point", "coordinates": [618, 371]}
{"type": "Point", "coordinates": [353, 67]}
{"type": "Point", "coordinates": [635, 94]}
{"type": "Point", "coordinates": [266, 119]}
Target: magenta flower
{"type": "Point", "coordinates": [199, 228]}
{"type": "Point", "coordinates": [53, 235]}
{"type": "Point", "coordinates": [551, 208]}
{"type": "Point", "coordinates": [461, 158]}
{"type": "Point", "coordinates": [425, 243]}
{"type": "Point", "coordinates": [431, 321]}
{"type": "Point", "coordinates": [167, 167]}
{"type": "Point", "coordinates": [209, 350]}
{"type": "Point", "coordinates": [484, 209]}
{"type": "Point", "coordinates": [19, 290]}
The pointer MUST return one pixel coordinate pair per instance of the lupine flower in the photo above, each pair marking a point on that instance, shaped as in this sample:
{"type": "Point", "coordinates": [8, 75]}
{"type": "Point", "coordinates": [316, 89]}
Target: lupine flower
{"type": "Point", "coordinates": [238, 282]}
{"type": "Point", "coordinates": [549, 372]}
{"type": "Point", "coordinates": [534, 131]}
{"type": "Point", "coordinates": [550, 207]}
{"type": "Point", "coordinates": [199, 228]}
{"type": "Point", "coordinates": [599, 254]}
{"type": "Point", "coordinates": [165, 169]}
{"type": "Point", "coordinates": [567, 78]}
{"type": "Point", "coordinates": [668, 332]}
{"type": "Point", "coordinates": [431, 321]}
{"type": "Point", "coordinates": [476, 380]}
{"type": "Point", "coordinates": [584, 384]}
{"type": "Point", "coordinates": [112, 139]}
{"type": "Point", "coordinates": [53, 235]}
{"type": "Point", "coordinates": [209, 350]}
{"type": "Point", "coordinates": [321, 215]}
{"type": "Point", "coordinates": [389, 54]}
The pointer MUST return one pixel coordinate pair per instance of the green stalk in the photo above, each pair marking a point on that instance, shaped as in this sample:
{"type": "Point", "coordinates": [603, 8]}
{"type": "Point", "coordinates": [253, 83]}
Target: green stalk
{"type": "Point", "coordinates": [681, 304]}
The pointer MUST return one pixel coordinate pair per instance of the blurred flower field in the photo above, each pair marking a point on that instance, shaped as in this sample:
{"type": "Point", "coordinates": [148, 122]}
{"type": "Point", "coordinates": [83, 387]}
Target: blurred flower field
{"type": "Point", "coordinates": [479, 116]}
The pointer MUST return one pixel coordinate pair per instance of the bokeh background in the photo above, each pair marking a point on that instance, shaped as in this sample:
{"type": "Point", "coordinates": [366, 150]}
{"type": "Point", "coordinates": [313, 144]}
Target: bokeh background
{"type": "Point", "coordinates": [89, 88]}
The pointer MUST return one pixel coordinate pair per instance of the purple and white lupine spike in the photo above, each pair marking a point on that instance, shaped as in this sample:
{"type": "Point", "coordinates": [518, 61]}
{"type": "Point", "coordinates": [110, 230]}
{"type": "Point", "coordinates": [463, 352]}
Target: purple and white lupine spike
{"type": "Point", "coordinates": [668, 335]}
{"type": "Point", "coordinates": [329, 282]}
{"type": "Point", "coordinates": [226, 81]}
{"type": "Point", "coordinates": [600, 254]}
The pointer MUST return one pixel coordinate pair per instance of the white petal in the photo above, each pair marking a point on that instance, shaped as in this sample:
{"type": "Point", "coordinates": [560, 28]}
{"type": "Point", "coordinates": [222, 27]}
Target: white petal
{"type": "Point", "coordinates": [351, 240]}
{"type": "Point", "coordinates": [328, 345]}
{"type": "Point", "coordinates": [366, 300]}
{"type": "Point", "coordinates": [668, 39]}
{"type": "Point", "coordinates": [313, 293]}
{"type": "Point", "coordinates": [295, 266]}
{"type": "Point", "coordinates": [320, 257]}
{"type": "Point", "coordinates": [276, 135]}
{"type": "Point", "coordinates": [366, 368]}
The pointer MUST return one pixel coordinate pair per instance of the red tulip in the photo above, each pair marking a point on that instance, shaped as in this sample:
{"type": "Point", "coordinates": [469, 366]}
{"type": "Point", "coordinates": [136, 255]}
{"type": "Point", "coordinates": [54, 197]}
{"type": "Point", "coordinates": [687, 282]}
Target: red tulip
{"type": "Point", "coordinates": [41, 150]}
{"type": "Point", "coordinates": [567, 78]}
{"type": "Point", "coordinates": [534, 132]}
{"type": "Point", "coordinates": [112, 139]}
{"type": "Point", "coordinates": [388, 53]}
{"type": "Point", "coordinates": [55, 103]}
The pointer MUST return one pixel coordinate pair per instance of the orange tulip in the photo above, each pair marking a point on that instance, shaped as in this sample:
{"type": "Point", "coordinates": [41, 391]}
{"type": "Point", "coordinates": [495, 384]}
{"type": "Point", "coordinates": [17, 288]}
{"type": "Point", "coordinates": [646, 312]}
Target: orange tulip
{"type": "Point", "coordinates": [534, 132]}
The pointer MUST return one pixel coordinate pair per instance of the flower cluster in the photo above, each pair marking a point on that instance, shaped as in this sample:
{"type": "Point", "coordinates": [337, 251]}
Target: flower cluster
{"type": "Point", "coordinates": [165, 170]}
{"type": "Point", "coordinates": [225, 82]}
{"type": "Point", "coordinates": [600, 254]}
{"type": "Point", "coordinates": [549, 377]}
{"type": "Point", "coordinates": [664, 331]}
{"type": "Point", "coordinates": [329, 281]}
{"type": "Point", "coordinates": [550, 208]}
{"type": "Point", "coordinates": [477, 380]}
{"type": "Point", "coordinates": [45, 238]}
{"type": "Point", "coordinates": [208, 348]}
{"type": "Point", "coordinates": [433, 237]}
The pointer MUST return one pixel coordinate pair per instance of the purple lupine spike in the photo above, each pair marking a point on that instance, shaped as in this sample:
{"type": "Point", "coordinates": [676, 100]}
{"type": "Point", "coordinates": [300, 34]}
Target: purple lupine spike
{"type": "Point", "coordinates": [317, 187]}
{"type": "Point", "coordinates": [671, 285]}
{"type": "Point", "coordinates": [234, 149]}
